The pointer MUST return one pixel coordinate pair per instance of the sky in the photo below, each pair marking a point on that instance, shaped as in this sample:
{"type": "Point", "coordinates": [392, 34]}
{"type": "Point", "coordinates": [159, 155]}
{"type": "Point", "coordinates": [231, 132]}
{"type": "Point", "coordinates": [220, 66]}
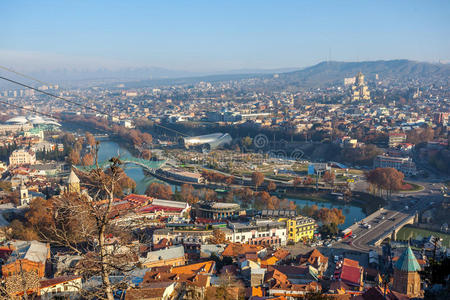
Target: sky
{"type": "Point", "coordinates": [219, 35]}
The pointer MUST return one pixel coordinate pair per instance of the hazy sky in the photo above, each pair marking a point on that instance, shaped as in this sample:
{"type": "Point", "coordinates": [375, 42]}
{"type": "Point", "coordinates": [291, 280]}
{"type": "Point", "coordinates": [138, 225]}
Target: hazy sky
{"type": "Point", "coordinates": [219, 35]}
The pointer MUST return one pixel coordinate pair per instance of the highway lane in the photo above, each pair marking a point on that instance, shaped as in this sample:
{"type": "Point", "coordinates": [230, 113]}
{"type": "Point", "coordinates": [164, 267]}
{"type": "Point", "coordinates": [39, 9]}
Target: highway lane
{"type": "Point", "coordinates": [365, 236]}
{"type": "Point", "coordinates": [383, 221]}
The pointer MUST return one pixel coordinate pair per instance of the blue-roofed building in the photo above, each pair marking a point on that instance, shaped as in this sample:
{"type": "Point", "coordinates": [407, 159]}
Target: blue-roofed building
{"type": "Point", "coordinates": [406, 274]}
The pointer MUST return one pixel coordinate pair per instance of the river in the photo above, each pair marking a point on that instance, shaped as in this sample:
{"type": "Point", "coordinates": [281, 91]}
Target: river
{"type": "Point", "coordinates": [110, 148]}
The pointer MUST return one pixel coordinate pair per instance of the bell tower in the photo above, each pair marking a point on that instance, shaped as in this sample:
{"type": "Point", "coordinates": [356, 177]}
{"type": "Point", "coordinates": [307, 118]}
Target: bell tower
{"type": "Point", "coordinates": [406, 275]}
{"type": "Point", "coordinates": [24, 197]}
{"type": "Point", "coordinates": [73, 183]}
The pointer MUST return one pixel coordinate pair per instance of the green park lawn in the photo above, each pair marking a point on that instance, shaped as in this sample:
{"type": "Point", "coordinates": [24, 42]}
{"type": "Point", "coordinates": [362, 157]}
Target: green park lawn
{"type": "Point", "coordinates": [408, 232]}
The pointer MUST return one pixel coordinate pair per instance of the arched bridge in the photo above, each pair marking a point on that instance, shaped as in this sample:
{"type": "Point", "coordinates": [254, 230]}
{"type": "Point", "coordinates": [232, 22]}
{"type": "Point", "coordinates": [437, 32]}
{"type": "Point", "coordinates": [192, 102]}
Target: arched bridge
{"type": "Point", "coordinates": [150, 165]}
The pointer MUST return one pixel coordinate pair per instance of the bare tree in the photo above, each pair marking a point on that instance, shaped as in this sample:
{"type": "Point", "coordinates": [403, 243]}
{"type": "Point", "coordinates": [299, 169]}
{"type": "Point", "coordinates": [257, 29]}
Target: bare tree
{"type": "Point", "coordinates": [83, 223]}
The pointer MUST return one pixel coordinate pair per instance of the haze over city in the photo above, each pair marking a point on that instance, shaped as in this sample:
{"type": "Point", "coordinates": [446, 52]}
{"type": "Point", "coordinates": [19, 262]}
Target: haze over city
{"type": "Point", "coordinates": [216, 36]}
{"type": "Point", "coordinates": [198, 150]}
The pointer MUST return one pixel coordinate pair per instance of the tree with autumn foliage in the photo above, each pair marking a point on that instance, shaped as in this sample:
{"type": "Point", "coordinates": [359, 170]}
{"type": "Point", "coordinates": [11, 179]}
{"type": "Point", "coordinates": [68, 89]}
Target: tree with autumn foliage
{"type": "Point", "coordinates": [297, 182]}
{"type": "Point", "coordinates": [262, 200]}
{"type": "Point", "coordinates": [257, 179]}
{"type": "Point", "coordinates": [159, 190]}
{"type": "Point", "coordinates": [246, 196]}
{"type": "Point", "coordinates": [90, 139]}
{"type": "Point", "coordinates": [385, 179]}
{"type": "Point", "coordinates": [146, 154]}
{"type": "Point", "coordinates": [218, 237]}
{"type": "Point", "coordinates": [271, 186]}
{"type": "Point", "coordinates": [308, 180]}
{"type": "Point", "coordinates": [188, 194]}
{"type": "Point", "coordinates": [74, 157]}
{"type": "Point", "coordinates": [87, 160]}
{"type": "Point", "coordinates": [207, 195]}
{"type": "Point", "coordinates": [329, 177]}
{"type": "Point", "coordinates": [328, 216]}
{"type": "Point", "coordinates": [146, 138]}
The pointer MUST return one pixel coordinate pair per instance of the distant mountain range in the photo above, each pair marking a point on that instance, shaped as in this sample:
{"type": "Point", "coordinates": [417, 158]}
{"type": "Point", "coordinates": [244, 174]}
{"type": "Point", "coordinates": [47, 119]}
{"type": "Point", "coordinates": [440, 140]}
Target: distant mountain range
{"type": "Point", "coordinates": [326, 73]}
{"type": "Point", "coordinates": [322, 74]}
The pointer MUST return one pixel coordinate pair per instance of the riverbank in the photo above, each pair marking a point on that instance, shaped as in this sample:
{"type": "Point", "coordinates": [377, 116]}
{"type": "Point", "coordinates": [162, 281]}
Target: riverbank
{"type": "Point", "coordinates": [143, 179]}
{"type": "Point", "coordinates": [369, 203]}
{"type": "Point", "coordinates": [413, 232]}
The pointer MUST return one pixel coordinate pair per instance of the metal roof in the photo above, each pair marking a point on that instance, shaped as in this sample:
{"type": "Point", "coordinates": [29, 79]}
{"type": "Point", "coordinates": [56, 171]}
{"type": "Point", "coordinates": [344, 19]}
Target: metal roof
{"type": "Point", "coordinates": [407, 261]}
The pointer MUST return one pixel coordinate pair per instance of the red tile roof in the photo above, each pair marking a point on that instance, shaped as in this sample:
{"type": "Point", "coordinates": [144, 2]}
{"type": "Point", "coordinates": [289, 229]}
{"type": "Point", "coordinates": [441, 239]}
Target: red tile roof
{"type": "Point", "coordinates": [349, 272]}
{"type": "Point", "coordinates": [57, 280]}
{"type": "Point", "coordinates": [155, 208]}
{"type": "Point", "coordinates": [236, 249]}
{"type": "Point", "coordinates": [138, 199]}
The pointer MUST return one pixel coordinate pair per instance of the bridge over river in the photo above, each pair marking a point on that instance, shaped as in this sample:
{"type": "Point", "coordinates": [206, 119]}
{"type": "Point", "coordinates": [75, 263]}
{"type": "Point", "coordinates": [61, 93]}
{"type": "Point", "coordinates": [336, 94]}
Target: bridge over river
{"type": "Point", "coordinates": [150, 165]}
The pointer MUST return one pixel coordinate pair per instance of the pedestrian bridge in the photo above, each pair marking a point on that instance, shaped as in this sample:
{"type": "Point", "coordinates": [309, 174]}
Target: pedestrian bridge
{"type": "Point", "coordinates": [150, 165]}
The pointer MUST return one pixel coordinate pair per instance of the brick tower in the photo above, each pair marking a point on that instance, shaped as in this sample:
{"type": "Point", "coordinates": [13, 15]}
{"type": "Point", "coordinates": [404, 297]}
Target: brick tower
{"type": "Point", "coordinates": [406, 276]}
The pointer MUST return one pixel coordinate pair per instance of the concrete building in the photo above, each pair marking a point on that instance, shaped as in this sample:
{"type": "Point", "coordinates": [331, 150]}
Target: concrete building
{"type": "Point", "coordinates": [187, 236]}
{"type": "Point", "coordinates": [22, 157]}
{"type": "Point", "coordinates": [173, 256]}
{"type": "Point", "coordinates": [396, 138]}
{"type": "Point", "coordinates": [215, 210]}
{"type": "Point", "coordinates": [26, 256]}
{"type": "Point", "coordinates": [15, 128]}
{"type": "Point", "coordinates": [259, 232]}
{"type": "Point", "coordinates": [63, 287]}
{"type": "Point", "coordinates": [402, 164]}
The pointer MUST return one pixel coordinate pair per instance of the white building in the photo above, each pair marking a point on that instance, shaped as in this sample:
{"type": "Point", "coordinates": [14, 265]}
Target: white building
{"type": "Point", "coordinates": [402, 164]}
{"type": "Point", "coordinates": [22, 157]}
{"type": "Point", "coordinates": [64, 287]}
{"type": "Point", "coordinates": [247, 232]}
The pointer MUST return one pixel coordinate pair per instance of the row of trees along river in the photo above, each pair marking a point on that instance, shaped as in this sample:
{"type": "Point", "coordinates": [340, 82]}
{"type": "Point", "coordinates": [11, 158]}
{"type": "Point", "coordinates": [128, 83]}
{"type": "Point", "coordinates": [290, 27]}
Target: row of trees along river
{"type": "Point", "coordinates": [110, 148]}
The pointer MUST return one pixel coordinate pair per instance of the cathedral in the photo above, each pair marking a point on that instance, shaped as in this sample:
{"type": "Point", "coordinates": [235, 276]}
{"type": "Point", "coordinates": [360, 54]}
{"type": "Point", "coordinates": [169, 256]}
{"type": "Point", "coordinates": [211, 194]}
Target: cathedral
{"type": "Point", "coordinates": [360, 91]}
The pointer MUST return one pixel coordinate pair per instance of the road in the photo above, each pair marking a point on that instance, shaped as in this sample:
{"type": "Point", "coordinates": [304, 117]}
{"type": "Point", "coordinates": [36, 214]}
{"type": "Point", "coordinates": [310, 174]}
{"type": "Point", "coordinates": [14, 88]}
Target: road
{"type": "Point", "coordinates": [402, 207]}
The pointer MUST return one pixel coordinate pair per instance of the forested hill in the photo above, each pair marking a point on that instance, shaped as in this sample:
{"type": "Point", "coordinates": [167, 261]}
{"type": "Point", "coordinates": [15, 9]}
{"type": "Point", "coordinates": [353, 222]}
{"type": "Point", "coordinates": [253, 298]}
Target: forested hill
{"type": "Point", "coordinates": [326, 73]}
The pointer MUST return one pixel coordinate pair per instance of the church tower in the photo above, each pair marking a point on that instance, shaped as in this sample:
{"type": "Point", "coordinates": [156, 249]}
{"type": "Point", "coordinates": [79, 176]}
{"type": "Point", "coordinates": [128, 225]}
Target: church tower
{"type": "Point", "coordinates": [360, 91]}
{"type": "Point", "coordinates": [359, 79]}
{"type": "Point", "coordinates": [73, 183]}
{"type": "Point", "coordinates": [406, 276]}
{"type": "Point", "coordinates": [24, 197]}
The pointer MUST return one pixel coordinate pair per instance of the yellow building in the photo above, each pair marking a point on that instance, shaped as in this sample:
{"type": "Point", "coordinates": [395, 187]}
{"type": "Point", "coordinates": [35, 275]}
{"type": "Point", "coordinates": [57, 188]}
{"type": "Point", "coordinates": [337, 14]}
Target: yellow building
{"type": "Point", "coordinates": [360, 91]}
{"type": "Point", "coordinates": [300, 229]}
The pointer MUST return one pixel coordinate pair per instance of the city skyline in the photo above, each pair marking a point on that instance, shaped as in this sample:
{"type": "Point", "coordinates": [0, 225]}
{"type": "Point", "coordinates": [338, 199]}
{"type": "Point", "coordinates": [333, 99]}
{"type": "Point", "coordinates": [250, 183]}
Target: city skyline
{"type": "Point", "coordinates": [217, 37]}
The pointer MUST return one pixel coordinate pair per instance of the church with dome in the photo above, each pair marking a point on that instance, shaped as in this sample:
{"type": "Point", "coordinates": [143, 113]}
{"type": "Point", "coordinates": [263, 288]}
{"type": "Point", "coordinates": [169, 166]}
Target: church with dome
{"type": "Point", "coordinates": [360, 91]}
